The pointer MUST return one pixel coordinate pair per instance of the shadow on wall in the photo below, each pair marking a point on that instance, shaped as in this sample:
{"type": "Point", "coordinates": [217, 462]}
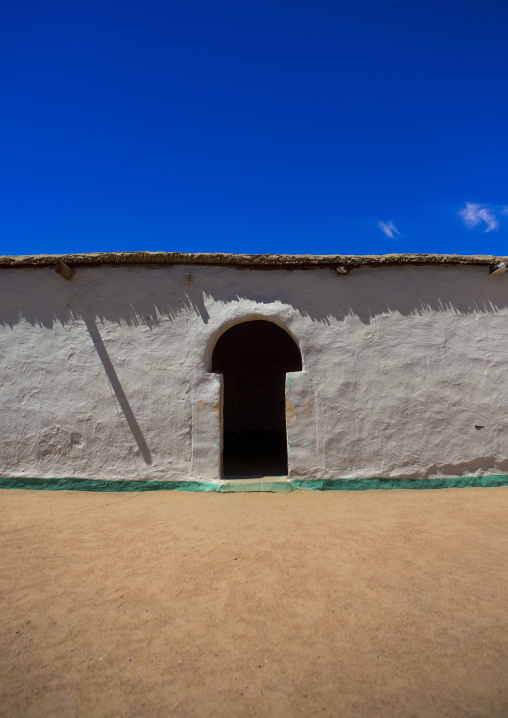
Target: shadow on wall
{"type": "Point", "coordinates": [117, 388]}
{"type": "Point", "coordinates": [144, 295]}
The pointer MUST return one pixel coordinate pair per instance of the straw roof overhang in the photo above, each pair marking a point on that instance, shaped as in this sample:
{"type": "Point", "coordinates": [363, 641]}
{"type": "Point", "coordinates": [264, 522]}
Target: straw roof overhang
{"type": "Point", "coordinates": [250, 261]}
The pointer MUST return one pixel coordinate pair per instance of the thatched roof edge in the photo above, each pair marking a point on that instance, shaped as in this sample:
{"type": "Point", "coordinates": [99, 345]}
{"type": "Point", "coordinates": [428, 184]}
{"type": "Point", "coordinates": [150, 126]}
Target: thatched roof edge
{"type": "Point", "coordinates": [247, 261]}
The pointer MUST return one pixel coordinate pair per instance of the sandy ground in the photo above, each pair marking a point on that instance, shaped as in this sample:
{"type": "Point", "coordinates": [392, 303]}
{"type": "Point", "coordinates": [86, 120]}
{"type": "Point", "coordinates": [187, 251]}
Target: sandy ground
{"type": "Point", "coordinates": [378, 603]}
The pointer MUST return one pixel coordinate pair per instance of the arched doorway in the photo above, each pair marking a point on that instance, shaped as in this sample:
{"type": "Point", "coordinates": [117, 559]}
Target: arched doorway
{"type": "Point", "coordinates": [253, 358]}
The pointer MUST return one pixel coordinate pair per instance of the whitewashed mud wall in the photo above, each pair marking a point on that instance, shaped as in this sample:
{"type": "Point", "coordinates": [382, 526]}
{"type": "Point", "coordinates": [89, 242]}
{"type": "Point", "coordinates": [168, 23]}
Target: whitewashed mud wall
{"type": "Point", "coordinates": [405, 370]}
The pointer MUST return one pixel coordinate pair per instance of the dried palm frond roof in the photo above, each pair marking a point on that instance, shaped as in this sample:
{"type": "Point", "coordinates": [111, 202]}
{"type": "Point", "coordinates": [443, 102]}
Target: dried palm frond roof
{"type": "Point", "coordinates": [249, 261]}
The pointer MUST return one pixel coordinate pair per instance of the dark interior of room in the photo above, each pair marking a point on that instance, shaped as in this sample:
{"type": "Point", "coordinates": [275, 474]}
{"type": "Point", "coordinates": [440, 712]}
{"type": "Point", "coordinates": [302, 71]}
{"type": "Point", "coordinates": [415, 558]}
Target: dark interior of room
{"type": "Point", "coordinates": [254, 357]}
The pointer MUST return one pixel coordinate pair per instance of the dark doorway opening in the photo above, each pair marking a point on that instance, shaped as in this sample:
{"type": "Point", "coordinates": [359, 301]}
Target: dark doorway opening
{"type": "Point", "coordinates": [253, 358]}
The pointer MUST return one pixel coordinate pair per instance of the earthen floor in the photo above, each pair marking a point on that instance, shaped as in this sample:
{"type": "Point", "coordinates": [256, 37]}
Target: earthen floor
{"type": "Point", "coordinates": [374, 603]}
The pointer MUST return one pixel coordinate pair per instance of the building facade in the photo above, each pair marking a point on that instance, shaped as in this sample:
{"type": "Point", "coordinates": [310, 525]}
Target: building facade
{"type": "Point", "coordinates": [199, 367]}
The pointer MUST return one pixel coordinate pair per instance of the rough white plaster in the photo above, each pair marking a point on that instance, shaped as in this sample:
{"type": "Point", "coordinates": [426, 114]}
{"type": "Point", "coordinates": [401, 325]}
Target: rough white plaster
{"type": "Point", "coordinates": [206, 427]}
{"type": "Point", "coordinates": [303, 457]}
{"type": "Point", "coordinates": [101, 375]}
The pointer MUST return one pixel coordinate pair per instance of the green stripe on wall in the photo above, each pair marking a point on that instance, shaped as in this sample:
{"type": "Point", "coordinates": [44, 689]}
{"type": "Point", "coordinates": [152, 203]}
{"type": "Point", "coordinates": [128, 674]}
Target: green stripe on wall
{"type": "Point", "coordinates": [369, 484]}
{"type": "Point", "coordinates": [73, 484]}
{"type": "Point", "coordinates": [105, 485]}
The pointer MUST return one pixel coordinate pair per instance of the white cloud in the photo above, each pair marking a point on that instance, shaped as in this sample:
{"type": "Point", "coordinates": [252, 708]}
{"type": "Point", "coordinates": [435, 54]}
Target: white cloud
{"type": "Point", "coordinates": [389, 229]}
{"type": "Point", "coordinates": [473, 214]}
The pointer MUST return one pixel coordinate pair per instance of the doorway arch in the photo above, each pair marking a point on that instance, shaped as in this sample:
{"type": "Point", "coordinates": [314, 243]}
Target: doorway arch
{"type": "Point", "coordinates": [253, 358]}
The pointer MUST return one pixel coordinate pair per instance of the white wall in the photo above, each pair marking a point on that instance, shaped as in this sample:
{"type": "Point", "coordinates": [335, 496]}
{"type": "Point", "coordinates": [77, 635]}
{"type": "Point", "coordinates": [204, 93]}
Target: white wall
{"type": "Point", "coordinates": [101, 376]}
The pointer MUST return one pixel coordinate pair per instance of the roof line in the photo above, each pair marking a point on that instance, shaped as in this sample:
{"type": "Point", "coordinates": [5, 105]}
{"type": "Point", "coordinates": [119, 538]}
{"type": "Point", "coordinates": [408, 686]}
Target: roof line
{"type": "Point", "coordinates": [247, 261]}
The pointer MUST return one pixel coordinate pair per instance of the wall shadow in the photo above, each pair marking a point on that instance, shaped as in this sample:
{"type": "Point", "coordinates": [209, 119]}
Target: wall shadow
{"type": "Point", "coordinates": [117, 389]}
{"type": "Point", "coordinates": [145, 295]}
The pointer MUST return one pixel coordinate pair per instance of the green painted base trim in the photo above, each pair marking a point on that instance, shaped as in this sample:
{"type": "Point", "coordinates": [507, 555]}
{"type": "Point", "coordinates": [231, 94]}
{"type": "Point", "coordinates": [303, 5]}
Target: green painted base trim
{"type": "Point", "coordinates": [235, 487]}
{"type": "Point", "coordinates": [104, 485]}
{"type": "Point", "coordinates": [461, 482]}
{"type": "Point", "coordinates": [110, 485]}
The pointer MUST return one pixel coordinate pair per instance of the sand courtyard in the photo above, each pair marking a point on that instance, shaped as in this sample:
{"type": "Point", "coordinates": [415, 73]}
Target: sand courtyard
{"type": "Point", "coordinates": [370, 603]}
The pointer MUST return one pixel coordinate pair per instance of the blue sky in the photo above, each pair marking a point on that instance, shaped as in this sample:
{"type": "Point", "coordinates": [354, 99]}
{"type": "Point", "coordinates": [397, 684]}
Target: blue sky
{"type": "Point", "coordinates": [317, 127]}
